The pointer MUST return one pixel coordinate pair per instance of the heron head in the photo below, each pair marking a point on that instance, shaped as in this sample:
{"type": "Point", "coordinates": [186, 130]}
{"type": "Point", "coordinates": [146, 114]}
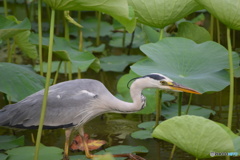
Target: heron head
{"type": "Point", "coordinates": [156, 80]}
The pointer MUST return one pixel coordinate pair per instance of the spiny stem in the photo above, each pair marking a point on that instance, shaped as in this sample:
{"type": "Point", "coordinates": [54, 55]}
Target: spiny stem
{"type": "Point", "coordinates": [44, 103]}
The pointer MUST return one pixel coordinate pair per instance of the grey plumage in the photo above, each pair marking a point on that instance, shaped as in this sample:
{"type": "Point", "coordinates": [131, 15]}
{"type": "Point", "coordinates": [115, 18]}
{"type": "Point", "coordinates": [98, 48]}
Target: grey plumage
{"type": "Point", "coordinates": [69, 104]}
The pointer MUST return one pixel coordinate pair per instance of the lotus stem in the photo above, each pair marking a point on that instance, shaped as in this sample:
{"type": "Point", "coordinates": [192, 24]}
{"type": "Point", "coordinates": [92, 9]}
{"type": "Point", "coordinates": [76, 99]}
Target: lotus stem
{"type": "Point", "coordinates": [99, 15]}
{"type": "Point", "coordinates": [189, 103]}
{"type": "Point", "coordinates": [158, 106]}
{"type": "Point", "coordinates": [47, 84]}
{"type": "Point", "coordinates": [180, 103]}
{"type": "Point", "coordinates": [161, 34]}
{"type": "Point", "coordinates": [172, 152]}
{"type": "Point", "coordinates": [40, 36]}
{"type": "Point", "coordinates": [56, 75]}
{"type": "Point", "coordinates": [211, 26]}
{"type": "Point", "coordinates": [231, 72]}
{"type": "Point", "coordinates": [5, 7]}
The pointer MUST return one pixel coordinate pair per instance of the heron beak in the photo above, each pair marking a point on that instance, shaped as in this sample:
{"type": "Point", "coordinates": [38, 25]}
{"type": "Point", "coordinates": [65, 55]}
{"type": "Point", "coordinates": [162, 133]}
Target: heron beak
{"type": "Point", "coordinates": [178, 87]}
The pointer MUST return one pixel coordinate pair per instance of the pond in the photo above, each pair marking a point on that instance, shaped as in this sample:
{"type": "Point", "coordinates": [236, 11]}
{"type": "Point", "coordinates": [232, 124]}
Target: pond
{"type": "Point", "coordinates": [117, 44]}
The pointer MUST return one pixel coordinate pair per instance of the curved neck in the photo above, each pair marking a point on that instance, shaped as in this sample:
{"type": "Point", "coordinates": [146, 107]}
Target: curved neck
{"type": "Point", "coordinates": [138, 99]}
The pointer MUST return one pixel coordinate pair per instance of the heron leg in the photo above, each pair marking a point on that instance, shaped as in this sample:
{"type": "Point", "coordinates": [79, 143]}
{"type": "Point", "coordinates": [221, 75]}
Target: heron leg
{"type": "Point", "coordinates": [67, 136]}
{"type": "Point", "coordinates": [87, 153]}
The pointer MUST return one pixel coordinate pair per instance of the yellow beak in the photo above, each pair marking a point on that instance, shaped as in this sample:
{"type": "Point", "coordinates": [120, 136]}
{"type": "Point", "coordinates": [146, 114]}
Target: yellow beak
{"type": "Point", "coordinates": [178, 87]}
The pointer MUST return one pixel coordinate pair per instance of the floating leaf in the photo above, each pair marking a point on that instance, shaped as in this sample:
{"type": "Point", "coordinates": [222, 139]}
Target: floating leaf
{"type": "Point", "coordinates": [118, 63]}
{"type": "Point", "coordinates": [123, 149]}
{"type": "Point", "coordinates": [196, 135]}
{"type": "Point", "coordinates": [149, 93]}
{"type": "Point", "coordinates": [226, 11]}
{"type": "Point", "coordinates": [3, 156]}
{"type": "Point", "coordinates": [19, 81]}
{"type": "Point", "coordinates": [193, 32]}
{"type": "Point", "coordinates": [8, 142]}
{"type": "Point", "coordinates": [142, 134]}
{"type": "Point", "coordinates": [27, 153]}
{"type": "Point", "coordinates": [198, 66]}
{"type": "Point", "coordinates": [172, 111]}
{"type": "Point", "coordinates": [160, 13]}
{"type": "Point", "coordinates": [9, 28]}
{"type": "Point", "coordinates": [117, 9]}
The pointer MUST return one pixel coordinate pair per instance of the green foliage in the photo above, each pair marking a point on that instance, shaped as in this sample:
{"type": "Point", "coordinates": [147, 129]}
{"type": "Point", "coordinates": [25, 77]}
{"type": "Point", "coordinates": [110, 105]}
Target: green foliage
{"type": "Point", "coordinates": [9, 142]}
{"type": "Point", "coordinates": [9, 27]}
{"type": "Point", "coordinates": [118, 63]}
{"type": "Point", "coordinates": [226, 11]}
{"type": "Point", "coordinates": [198, 66]}
{"type": "Point", "coordinates": [23, 78]}
{"type": "Point", "coordinates": [197, 136]}
{"type": "Point", "coordinates": [20, 31]}
{"type": "Point", "coordinates": [172, 111]}
{"type": "Point", "coordinates": [117, 9]}
{"type": "Point", "coordinates": [3, 156]}
{"type": "Point", "coordinates": [193, 32]}
{"type": "Point", "coordinates": [146, 131]}
{"type": "Point", "coordinates": [27, 153]}
{"type": "Point", "coordinates": [64, 50]}
{"type": "Point", "coordinates": [160, 13]}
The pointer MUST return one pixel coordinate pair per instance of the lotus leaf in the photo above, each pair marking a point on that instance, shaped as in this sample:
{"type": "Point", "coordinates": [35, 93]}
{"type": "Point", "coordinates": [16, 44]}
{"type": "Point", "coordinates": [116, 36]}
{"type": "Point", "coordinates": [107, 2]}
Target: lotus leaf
{"type": "Point", "coordinates": [27, 153]}
{"type": "Point", "coordinates": [19, 81]}
{"type": "Point", "coordinates": [160, 13]}
{"type": "Point", "coordinates": [117, 9]}
{"type": "Point", "coordinates": [227, 11]}
{"type": "Point", "coordinates": [196, 135]}
{"type": "Point", "coordinates": [198, 66]}
{"type": "Point", "coordinates": [193, 32]}
{"type": "Point", "coordinates": [8, 142]}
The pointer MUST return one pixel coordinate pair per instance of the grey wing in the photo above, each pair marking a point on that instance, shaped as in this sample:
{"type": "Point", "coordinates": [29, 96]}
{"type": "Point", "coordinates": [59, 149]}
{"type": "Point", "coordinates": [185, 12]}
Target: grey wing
{"type": "Point", "coordinates": [65, 108]}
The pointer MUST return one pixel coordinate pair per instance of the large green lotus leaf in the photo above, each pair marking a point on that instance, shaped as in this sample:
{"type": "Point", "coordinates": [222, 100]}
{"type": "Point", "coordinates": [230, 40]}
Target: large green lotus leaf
{"type": "Point", "coordinates": [172, 111]}
{"type": "Point", "coordinates": [193, 32]}
{"type": "Point", "coordinates": [117, 9]}
{"type": "Point", "coordinates": [148, 93]}
{"type": "Point", "coordinates": [160, 13]}
{"type": "Point", "coordinates": [8, 142]}
{"type": "Point", "coordinates": [19, 81]}
{"type": "Point", "coordinates": [63, 49]}
{"type": "Point", "coordinates": [27, 153]}
{"type": "Point", "coordinates": [198, 66]}
{"type": "Point", "coordinates": [227, 11]}
{"type": "Point", "coordinates": [196, 135]}
{"type": "Point", "coordinates": [118, 63]}
{"type": "Point", "coordinates": [9, 28]}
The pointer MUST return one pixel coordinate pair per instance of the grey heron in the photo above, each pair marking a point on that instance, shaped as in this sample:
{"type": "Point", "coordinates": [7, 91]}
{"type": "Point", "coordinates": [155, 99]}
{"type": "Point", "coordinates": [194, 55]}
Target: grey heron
{"type": "Point", "coordinates": [73, 103]}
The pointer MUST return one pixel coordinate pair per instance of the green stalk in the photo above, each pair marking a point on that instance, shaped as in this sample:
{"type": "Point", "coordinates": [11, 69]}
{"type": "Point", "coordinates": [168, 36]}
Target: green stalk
{"type": "Point", "coordinates": [40, 36]}
{"type": "Point", "coordinates": [98, 28]}
{"type": "Point", "coordinates": [158, 96]}
{"type": "Point", "coordinates": [161, 34]}
{"type": "Point", "coordinates": [231, 72]}
{"type": "Point", "coordinates": [172, 152]}
{"type": "Point", "coordinates": [180, 103]}
{"type": "Point", "coordinates": [158, 106]}
{"type": "Point", "coordinates": [211, 26]}
{"type": "Point", "coordinates": [5, 7]}
{"type": "Point", "coordinates": [57, 73]}
{"type": "Point", "coordinates": [189, 102]}
{"type": "Point", "coordinates": [44, 103]}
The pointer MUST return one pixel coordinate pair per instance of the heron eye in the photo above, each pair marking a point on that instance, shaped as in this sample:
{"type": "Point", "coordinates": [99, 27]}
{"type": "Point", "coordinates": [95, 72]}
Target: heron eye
{"type": "Point", "coordinates": [164, 83]}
